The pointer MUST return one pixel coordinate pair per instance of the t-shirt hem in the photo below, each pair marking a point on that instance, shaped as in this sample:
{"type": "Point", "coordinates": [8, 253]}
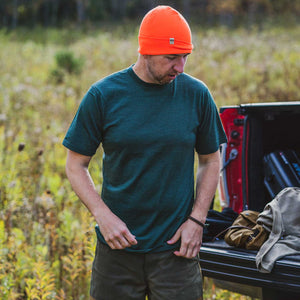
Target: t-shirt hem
{"type": "Point", "coordinates": [73, 148]}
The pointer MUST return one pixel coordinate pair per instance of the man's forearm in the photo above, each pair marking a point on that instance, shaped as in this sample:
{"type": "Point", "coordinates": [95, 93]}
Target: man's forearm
{"type": "Point", "coordinates": [84, 188]}
{"type": "Point", "coordinates": [113, 229]}
{"type": "Point", "coordinates": [206, 184]}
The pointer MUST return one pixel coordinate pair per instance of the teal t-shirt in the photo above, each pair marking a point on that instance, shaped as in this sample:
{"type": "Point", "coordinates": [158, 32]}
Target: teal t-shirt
{"type": "Point", "coordinates": [149, 134]}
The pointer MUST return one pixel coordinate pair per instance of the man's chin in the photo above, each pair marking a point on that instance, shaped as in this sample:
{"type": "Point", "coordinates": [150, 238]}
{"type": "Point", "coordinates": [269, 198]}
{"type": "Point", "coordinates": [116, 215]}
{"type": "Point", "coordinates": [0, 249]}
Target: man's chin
{"type": "Point", "coordinates": [167, 80]}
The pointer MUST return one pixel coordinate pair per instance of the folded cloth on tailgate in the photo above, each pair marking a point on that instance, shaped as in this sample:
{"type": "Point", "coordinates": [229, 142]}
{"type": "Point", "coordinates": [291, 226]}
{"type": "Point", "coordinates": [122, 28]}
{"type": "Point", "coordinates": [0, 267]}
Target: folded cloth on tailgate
{"type": "Point", "coordinates": [281, 217]}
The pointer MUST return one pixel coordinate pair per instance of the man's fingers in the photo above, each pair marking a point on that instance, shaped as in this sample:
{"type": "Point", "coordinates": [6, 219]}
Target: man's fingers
{"type": "Point", "coordinates": [187, 252]}
{"type": "Point", "coordinates": [175, 237]}
{"type": "Point", "coordinates": [188, 249]}
{"type": "Point", "coordinates": [114, 245]}
{"type": "Point", "coordinates": [127, 241]}
{"type": "Point", "coordinates": [121, 240]}
{"type": "Point", "coordinates": [118, 244]}
{"type": "Point", "coordinates": [130, 238]}
{"type": "Point", "coordinates": [196, 251]}
{"type": "Point", "coordinates": [181, 252]}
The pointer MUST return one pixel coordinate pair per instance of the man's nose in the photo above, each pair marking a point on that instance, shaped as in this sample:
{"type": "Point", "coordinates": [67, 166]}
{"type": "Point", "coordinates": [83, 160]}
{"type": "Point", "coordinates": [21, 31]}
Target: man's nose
{"type": "Point", "coordinates": [179, 65]}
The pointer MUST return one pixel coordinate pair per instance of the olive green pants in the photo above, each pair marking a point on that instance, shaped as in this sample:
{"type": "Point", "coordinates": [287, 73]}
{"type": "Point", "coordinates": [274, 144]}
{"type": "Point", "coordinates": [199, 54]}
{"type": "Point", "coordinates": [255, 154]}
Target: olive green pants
{"type": "Point", "coordinates": [118, 274]}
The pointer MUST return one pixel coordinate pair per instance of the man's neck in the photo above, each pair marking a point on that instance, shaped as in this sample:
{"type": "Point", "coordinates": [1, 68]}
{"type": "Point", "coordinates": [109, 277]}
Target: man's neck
{"type": "Point", "coordinates": [139, 70]}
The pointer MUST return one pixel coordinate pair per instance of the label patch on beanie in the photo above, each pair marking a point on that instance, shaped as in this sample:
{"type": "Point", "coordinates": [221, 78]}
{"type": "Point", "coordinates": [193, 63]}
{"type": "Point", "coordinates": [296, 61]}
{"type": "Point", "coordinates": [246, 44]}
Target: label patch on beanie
{"type": "Point", "coordinates": [171, 41]}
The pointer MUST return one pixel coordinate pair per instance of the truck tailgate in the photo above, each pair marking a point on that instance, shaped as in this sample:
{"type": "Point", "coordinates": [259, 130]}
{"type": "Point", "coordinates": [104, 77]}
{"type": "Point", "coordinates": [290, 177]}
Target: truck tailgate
{"type": "Point", "coordinates": [221, 261]}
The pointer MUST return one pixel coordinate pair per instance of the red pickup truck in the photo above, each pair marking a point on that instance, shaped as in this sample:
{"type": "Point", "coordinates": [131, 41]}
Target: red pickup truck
{"type": "Point", "coordinates": [253, 131]}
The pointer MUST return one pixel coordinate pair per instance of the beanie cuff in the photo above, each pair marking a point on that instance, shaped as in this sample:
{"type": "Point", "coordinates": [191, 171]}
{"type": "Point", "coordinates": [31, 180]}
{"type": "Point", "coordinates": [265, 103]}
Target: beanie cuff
{"type": "Point", "coordinates": [161, 46]}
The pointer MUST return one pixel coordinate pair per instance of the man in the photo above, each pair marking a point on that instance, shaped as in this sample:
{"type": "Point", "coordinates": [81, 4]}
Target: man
{"type": "Point", "coordinates": [150, 118]}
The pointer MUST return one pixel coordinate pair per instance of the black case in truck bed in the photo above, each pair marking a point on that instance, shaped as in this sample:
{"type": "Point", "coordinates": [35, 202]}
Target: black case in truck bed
{"type": "Point", "coordinates": [254, 131]}
{"type": "Point", "coordinates": [281, 169]}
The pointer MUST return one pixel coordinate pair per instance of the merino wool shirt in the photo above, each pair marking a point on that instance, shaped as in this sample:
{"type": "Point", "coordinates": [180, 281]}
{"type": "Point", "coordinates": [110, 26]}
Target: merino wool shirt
{"type": "Point", "coordinates": [149, 134]}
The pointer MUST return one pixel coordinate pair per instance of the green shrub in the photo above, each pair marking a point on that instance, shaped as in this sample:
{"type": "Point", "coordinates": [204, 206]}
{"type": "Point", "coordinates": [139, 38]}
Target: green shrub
{"type": "Point", "coordinates": [66, 64]}
{"type": "Point", "coordinates": [66, 60]}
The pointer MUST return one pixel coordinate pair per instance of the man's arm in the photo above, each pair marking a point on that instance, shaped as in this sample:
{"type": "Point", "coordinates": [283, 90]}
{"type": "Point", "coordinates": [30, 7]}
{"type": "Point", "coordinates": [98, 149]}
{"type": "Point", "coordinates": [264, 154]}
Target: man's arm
{"type": "Point", "coordinates": [206, 184]}
{"type": "Point", "coordinates": [113, 229]}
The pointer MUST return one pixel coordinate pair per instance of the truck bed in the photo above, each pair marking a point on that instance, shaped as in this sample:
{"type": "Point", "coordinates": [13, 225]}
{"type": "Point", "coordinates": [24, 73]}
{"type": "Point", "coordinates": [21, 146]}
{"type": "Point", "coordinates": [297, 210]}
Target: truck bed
{"type": "Point", "coordinates": [223, 262]}
{"type": "Point", "coordinates": [254, 131]}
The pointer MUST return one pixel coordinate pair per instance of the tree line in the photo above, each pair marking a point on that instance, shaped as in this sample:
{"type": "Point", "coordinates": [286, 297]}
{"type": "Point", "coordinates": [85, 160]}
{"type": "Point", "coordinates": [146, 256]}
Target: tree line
{"type": "Point", "coordinates": [14, 13]}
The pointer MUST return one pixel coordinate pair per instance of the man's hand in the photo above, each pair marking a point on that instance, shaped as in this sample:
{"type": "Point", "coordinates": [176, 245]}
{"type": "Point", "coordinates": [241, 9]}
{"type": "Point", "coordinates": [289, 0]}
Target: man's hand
{"type": "Point", "coordinates": [115, 231]}
{"type": "Point", "coordinates": [191, 239]}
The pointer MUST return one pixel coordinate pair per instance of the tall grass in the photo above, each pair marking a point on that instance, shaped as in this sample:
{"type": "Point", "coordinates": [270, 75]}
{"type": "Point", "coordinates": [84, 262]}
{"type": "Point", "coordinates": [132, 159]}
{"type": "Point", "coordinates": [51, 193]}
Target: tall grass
{"type": "Point", "coordinates": [47, 238]}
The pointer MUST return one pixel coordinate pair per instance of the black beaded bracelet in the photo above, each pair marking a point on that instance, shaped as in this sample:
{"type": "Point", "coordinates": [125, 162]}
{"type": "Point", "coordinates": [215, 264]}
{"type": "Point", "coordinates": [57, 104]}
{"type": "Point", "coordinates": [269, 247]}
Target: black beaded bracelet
{"type": "Point", "coordinates": [196, 221]}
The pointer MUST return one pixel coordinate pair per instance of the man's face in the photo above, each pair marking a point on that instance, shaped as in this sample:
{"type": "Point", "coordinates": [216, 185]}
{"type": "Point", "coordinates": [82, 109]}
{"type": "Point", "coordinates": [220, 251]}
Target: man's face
{"type": "Point", "coordinates": [163, 69]}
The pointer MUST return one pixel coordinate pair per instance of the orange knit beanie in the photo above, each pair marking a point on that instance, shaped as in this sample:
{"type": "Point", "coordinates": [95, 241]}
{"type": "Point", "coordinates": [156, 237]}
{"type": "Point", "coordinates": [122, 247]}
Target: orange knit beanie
{"type": "Point", "coordinates": [164, 31]}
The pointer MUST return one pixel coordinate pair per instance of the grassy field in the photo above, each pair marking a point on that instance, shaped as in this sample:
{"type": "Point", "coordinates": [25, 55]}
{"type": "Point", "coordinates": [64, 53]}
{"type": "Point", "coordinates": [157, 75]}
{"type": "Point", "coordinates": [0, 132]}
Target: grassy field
{"type": "Point", "coordinates": [47, 236]}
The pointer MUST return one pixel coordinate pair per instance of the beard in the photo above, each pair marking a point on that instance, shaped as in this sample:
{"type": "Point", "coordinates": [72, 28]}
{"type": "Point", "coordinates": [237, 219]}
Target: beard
{"type": "Point", "coordinates": [160, 77]}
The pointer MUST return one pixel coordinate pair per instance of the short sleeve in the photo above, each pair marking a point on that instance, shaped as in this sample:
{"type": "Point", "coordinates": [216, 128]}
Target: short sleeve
{"type": "Point", "coordinates": [85, 132]}
{"type": "Point", "coordinates": [210, 133]}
